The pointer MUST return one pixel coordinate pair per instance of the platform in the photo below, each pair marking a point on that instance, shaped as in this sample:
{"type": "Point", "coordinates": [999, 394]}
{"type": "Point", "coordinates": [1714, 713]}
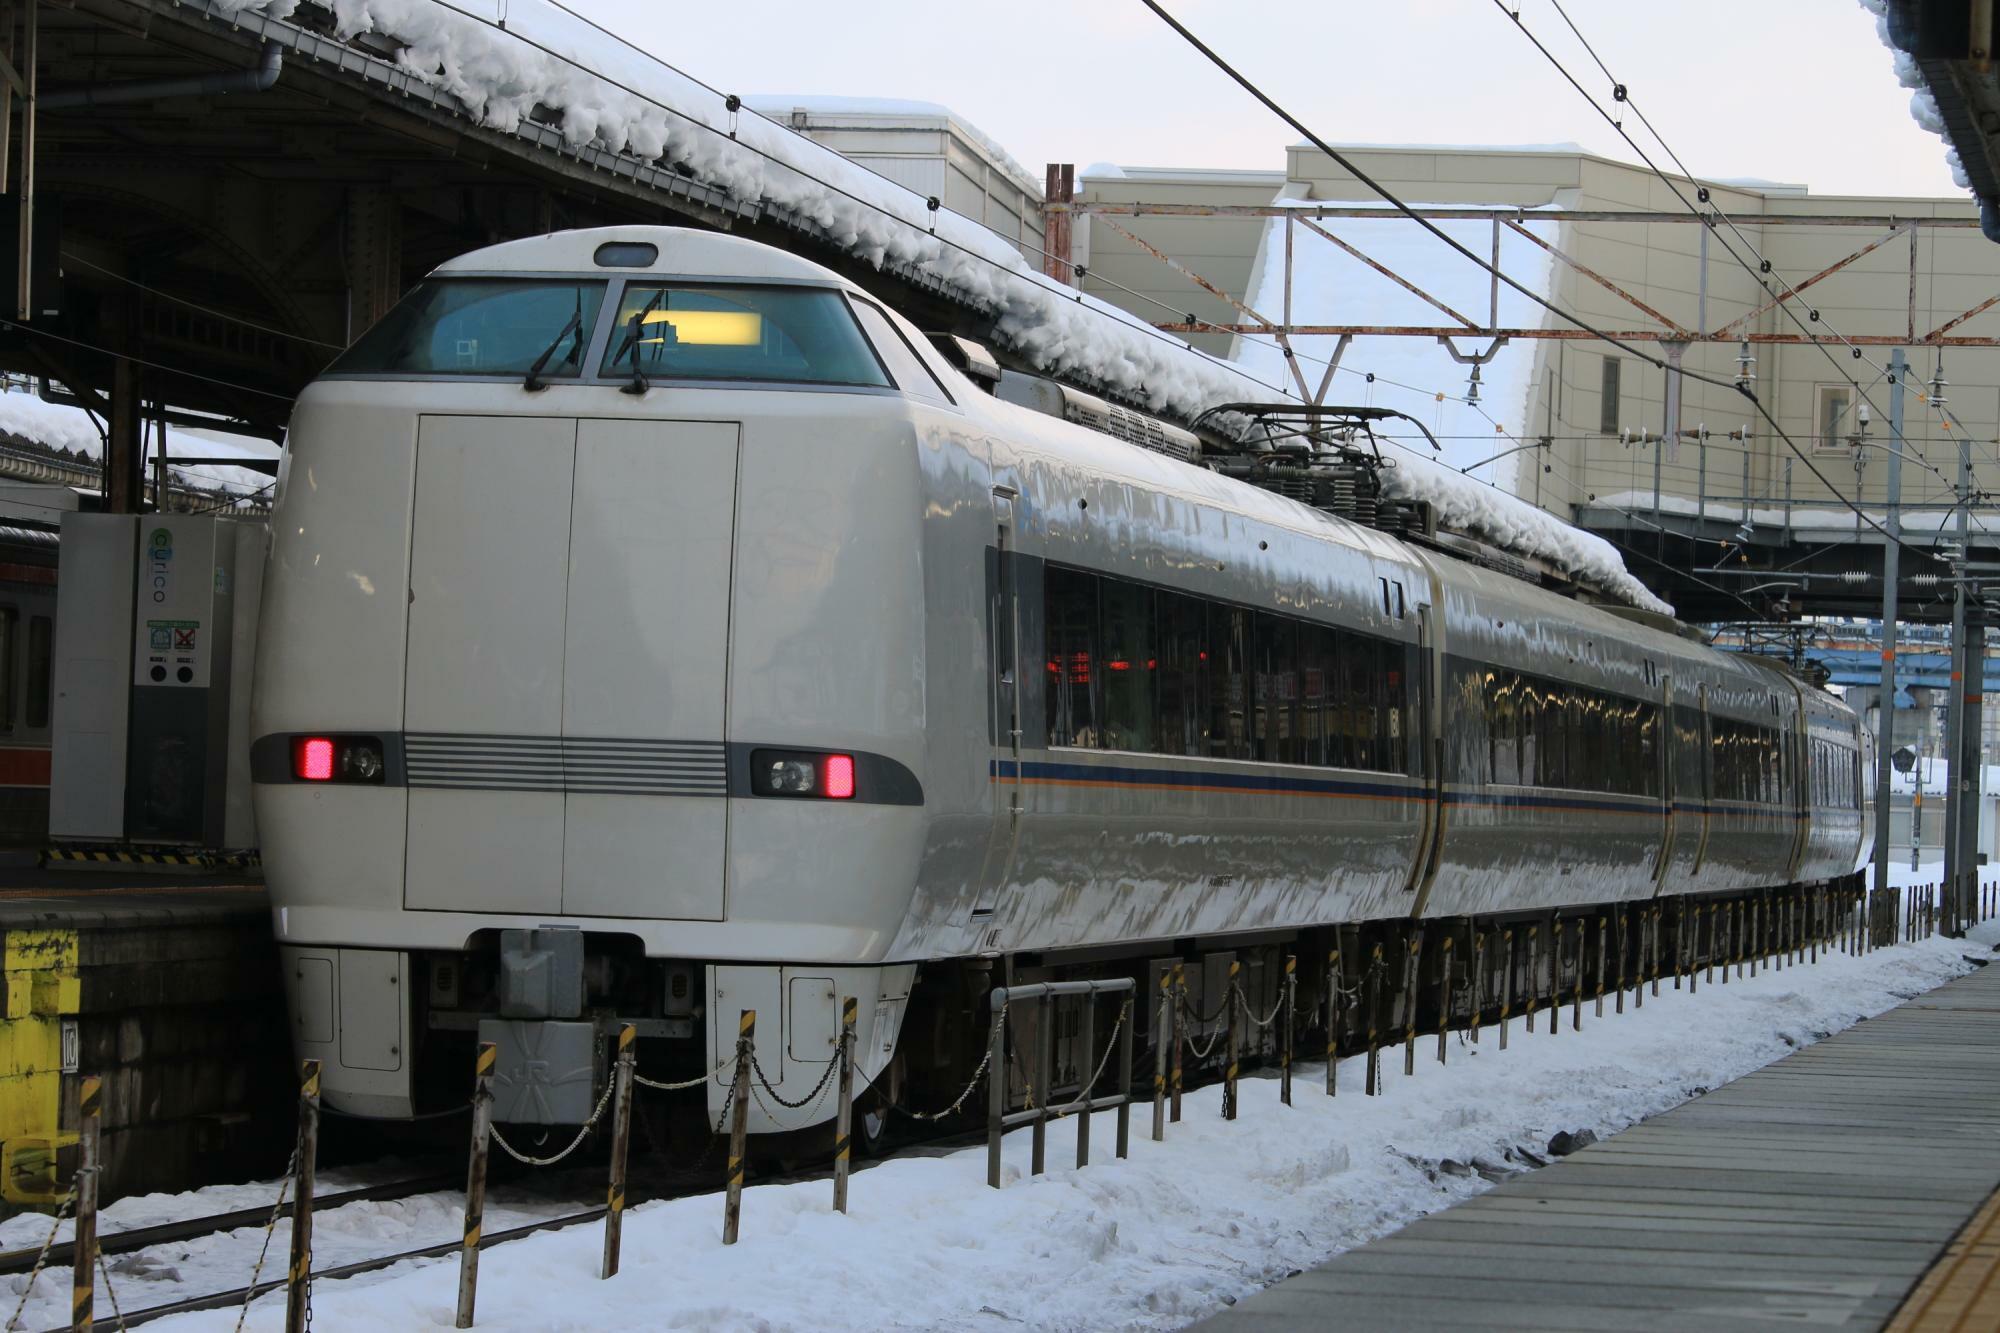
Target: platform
{"type": "Point", "coordinates": [1823, 1190]}
{"type": "Point", "coordinates": [164, 986]}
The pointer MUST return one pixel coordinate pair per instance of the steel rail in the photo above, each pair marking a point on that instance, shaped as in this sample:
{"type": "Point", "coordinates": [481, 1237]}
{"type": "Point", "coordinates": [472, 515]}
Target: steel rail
{"type": "Point", "coordinates": [139, 1238]}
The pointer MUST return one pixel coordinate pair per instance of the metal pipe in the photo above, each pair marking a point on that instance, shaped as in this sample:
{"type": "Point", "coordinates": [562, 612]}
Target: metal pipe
{"type": "Point", "coordinates": [1891, 557]}
{"type": "Point", "coordinates": [270, 62]}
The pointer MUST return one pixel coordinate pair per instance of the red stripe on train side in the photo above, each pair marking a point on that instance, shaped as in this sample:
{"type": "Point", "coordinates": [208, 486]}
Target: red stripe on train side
{"type": "Point", "coordinates": [24, 766]}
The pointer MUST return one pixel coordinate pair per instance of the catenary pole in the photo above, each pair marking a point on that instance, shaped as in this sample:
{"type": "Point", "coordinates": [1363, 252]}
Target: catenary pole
{"type": "Point", "coordinates": [1885, 710]}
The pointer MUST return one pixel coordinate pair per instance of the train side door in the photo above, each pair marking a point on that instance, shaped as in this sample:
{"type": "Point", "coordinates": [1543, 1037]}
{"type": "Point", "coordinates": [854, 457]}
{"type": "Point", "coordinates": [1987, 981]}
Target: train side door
{"type": "Point", "coordinates": [1004, 701]}
{"type": "Point", "coordinates": [1706, 765]}
{"type": "Point", "coordinates": [1666, 773]}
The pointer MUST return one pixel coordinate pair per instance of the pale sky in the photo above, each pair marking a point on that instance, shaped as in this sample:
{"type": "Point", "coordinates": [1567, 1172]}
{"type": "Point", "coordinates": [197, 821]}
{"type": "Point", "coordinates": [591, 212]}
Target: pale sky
{"type": "Point", "coordinates": [1789, 90]}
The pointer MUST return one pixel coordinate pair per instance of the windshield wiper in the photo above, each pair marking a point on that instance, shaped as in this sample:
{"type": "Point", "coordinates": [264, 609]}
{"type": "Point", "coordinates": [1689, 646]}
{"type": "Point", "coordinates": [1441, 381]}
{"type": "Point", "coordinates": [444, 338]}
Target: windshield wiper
{"type": "Point", "coordinates": [636, 327]}
{"type": "Point", "coordinates": [534, 382]}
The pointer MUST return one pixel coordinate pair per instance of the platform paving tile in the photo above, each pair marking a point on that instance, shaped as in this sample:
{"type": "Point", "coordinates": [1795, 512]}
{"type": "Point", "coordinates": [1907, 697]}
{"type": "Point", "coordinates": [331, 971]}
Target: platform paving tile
{"type": "Point", "coordinates": [1816, 1191]}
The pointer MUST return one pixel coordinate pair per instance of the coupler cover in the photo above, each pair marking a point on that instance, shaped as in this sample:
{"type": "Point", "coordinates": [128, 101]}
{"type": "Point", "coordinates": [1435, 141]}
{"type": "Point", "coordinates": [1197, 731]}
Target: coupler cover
{"type": "Point", "coordinates": [546, 1072]}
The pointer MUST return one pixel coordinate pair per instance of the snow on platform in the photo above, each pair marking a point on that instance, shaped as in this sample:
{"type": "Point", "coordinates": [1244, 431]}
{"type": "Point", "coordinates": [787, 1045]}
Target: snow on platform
{"type": "Point", "coordinates": [1815, 1192]}
{"type": "Point", "coordinates": [1177, 1232]}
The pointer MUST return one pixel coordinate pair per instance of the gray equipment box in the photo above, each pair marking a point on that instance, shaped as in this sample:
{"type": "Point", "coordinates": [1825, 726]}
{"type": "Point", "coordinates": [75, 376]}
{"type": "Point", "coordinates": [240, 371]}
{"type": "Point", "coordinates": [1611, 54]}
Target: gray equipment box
{"type": "Point", "coordinates": [545, 1074]}
{"type": "Point", "coordinates": [541, 973]}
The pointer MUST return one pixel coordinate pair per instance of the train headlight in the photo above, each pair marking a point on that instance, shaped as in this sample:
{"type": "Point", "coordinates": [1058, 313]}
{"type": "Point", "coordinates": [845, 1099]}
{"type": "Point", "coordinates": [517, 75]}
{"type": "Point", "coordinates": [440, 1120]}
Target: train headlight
{"type": "Point", "coordinates": [791, 773]}
{"type": "Point", "coordinates": [790, 777]}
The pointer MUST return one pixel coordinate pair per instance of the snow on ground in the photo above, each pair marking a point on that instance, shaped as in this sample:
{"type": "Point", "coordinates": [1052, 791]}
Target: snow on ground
{"type": "Point", "coordinates": [1329, 286]}
{"type": "Point", "coordinates": [59, 426]}
{"type": "Point", "coordinates": [1181, 1229]}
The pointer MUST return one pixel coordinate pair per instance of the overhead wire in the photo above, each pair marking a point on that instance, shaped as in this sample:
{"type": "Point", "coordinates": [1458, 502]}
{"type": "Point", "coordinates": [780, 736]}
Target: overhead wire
{"type": "Point", "coordinates": [1622, 94]}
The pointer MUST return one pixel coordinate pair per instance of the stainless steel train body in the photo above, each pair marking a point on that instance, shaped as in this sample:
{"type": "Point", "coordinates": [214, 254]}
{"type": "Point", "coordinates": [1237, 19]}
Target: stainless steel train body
{"type": "Point", "coordinates": [539, 643]}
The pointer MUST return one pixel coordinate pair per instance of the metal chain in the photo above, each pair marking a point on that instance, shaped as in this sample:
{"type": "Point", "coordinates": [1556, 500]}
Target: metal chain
{"type": "Point", "coordinates": [696, 1082]}
{"type": "Point", "coordinates": [811, 1102]}
{"type": "Point", "coordinates": [1110, 1045]}
{"type": "Point", "coordinates": [1195, 1018]}
{"type": "Point", "coordinates": [112, 1292]}
{"type": "Point", "coordinates": [832, 1067]}
{"type": "Point", "coordinates": [1251, 1014]}
{"type": "Point", "coordinates": [526, 1160]}
{"type": "Point", "coordinates": [978, 1077]}
{"type": "Point", "coordinates": [42, 1258]}
{"type": "Point", "coordinates": [284, 1186]}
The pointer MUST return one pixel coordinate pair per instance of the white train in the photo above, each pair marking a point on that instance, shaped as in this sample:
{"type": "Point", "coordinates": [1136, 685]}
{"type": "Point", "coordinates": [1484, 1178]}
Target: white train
{"type": "Point", "coordinates": [657, 628]}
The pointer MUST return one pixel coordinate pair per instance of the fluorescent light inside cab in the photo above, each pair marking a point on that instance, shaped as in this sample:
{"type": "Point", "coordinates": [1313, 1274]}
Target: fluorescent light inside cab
{"type": "Point", "coordinates": [710, 328]}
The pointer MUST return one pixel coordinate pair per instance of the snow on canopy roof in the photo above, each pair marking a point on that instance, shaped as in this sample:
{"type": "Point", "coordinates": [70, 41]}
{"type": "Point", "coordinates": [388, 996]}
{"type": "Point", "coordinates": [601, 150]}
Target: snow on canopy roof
{"type": "Point", "coordinates": [781, 104]}
{"type": "Point", "coordinates": [59, 426]}
{"type": "Point", "coordinates": [604, 91]}
{"type": "Point", "coordinates": [1923, 106]}
{"type": "Point", "coordinates": [1419, 377]}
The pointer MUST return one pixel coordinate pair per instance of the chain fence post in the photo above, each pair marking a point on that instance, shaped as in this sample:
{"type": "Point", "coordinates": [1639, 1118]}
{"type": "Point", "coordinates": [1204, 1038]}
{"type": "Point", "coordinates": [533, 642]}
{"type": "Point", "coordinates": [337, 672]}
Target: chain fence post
{"type": "Point", "coordinates": [843, 1123]}
{"type": "Point", "coordinates": [1086, 1033]}
{"type": "Point", "coordinates": [1162, 1026]}
{"type": "Point", "coordinates": [1128, 1019]}
{"type": "Point", "coordinates": [475, 1180]}
{"type": "Point", "coordinates": [1376, 966]}
{"type": "Point", "coordinates": [621, 1143]}
{"type": "Point", "coordinates": [739, 1126]}
{"type": "Point", "coordinates": [996, 1086]}
{"type": "Point", "coordinates": [1285, 1057]}
{"type": "Point", "coordinates": [1180, 1003]}
{"type": "Point", "coordinates": [1477, 939]}
{"type": "Point", "coordinates": [1533, 977]}
{"type": "Point", "coordinates": [1334, 1013]}
{"type": "Point", "coordinates": [1444, 993]}
{"type": "Point", "coordinates": [1413, 964]}
{"type": "Point", "coordinates": [83, 1251]}
{"type": "Point", "coordinates": [1555, 975]}
{"type": "Point", "coordinates": [1045, 1043]}
{"type": "Point", "coordinates": [1229, 1057]}
{"type": "Point", "coordinates": [1506, 983]}
{"type": "Point", "coordinates": [298, 1278]}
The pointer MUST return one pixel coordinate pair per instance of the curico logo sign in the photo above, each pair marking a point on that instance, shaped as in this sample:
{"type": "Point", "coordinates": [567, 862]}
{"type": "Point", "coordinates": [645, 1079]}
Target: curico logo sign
{"type": "Point", "coordinates": [159, 562]}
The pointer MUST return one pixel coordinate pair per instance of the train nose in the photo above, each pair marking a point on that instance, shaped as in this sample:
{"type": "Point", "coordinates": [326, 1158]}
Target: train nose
{"type": "Point", "coordinates": [567, 661]}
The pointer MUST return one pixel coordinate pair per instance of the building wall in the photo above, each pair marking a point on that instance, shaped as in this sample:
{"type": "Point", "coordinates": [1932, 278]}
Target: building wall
{"type": "Point", "coordinates": [1661, 264]}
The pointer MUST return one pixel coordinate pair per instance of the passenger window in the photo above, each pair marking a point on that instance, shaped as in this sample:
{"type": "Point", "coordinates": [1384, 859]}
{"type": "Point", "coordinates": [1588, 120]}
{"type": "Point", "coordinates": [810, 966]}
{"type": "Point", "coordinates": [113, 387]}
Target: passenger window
{"type": "Point", "coordinates": [1125, 642]}
{"type": "Point", "coordinates": [1071, 602]}
{"type": "Point", "coordinates": [41, 652]}
{"type": "Point", "coordinates": [9, 631]}
{"type": "Point", "coordinates": [1228, 683]}
{"type": "Point", "coordinates": [906, 367]}
{"type": "Point", "coordinates": [1317, 658]}
{"type": "Point", "coordinates": [785, 334]}
{"type": "Point", "coordinates": [1277, 689]}
{"type": "Point", "coordinates": [1183, 674]}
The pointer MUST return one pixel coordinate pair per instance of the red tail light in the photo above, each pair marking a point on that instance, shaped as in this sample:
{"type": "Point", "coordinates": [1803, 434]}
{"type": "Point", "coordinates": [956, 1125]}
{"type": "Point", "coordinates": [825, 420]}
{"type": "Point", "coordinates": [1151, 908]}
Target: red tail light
{"type": "Point", "coordinates": [840, 776]}
{"type": "Point", "coordinates": [312, 758]}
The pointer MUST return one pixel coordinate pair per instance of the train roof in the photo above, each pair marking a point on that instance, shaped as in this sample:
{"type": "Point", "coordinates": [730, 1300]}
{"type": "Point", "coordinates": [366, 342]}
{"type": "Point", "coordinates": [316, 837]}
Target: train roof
{"type": "Point", "coordinates": [681, 252]}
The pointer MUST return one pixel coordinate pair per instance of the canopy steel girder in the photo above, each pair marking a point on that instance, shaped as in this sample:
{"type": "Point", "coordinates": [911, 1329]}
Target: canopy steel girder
{"type": "Point", "coordinates": [1513, 219]}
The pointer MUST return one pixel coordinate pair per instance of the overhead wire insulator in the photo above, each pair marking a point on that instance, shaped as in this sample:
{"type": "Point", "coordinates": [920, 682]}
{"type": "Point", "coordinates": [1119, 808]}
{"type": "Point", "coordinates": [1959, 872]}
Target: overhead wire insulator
{"type": "Point", "coordinates": [1746, 365]}
{"type": "Point", "coordinates": [1472, 386]}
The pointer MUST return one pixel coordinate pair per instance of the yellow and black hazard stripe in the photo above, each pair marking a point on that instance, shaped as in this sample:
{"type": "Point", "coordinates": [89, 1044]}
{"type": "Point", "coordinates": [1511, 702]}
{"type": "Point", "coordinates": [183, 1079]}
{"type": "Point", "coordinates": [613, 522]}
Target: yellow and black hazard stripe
{"type": "Point", "coordinates": [136, 856]}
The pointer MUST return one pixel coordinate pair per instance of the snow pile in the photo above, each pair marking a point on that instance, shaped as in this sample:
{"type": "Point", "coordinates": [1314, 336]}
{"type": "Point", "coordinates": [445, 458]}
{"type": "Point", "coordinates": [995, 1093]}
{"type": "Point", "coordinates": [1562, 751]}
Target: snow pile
{"type": "Point", "coordinates": [1171, 1235]}
{"type": "Point", "coordinates": [1923, 106]}
{"type": "Point", "coordinates": [58, 426]}
{"type": "Point", "coordinates": [611, 95]}
{"type": "Point", "coordinates": [1329, 286]}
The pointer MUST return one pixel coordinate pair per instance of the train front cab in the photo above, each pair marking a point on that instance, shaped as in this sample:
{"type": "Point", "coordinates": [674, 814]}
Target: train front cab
{"type": "Point", "coordinates": [584, 658]}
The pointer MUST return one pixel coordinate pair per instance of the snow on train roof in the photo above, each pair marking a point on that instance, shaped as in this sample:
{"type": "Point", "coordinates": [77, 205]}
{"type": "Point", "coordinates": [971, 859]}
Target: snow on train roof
{"type": "Point", "coordinates": [606, 91]}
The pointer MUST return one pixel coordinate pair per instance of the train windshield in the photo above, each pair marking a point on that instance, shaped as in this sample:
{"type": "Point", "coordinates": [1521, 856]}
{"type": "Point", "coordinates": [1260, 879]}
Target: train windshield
{"type": "Point", "coordinates": [480, 326]}
{"type": "Point", "coordinates": [795, 334]}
